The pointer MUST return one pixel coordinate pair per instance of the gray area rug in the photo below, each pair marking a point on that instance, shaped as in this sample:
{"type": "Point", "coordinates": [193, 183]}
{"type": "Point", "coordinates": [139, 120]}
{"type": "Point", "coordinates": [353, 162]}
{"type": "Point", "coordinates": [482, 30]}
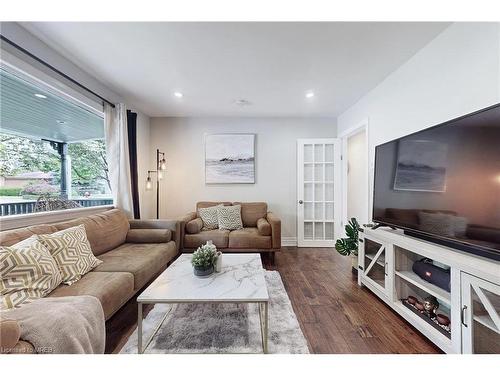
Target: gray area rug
{"type": "Point", "coordinates": [223, 328]}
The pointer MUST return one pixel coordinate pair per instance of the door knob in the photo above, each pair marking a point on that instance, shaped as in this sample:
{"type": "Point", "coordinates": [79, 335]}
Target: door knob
{"type": "Point", "coordinates": [301, 201]}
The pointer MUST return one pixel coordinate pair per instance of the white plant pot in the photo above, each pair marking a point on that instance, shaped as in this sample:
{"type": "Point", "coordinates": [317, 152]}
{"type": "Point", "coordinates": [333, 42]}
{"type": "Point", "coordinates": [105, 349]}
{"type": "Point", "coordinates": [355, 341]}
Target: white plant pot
{"type": "Point", "coordinates": [354, 261]}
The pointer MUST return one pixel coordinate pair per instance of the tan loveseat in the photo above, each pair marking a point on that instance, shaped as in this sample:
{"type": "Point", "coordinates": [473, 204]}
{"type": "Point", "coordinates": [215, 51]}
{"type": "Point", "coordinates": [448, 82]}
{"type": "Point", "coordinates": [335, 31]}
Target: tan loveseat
{"type": "Point", "coordinates": [133, 253]}
{"type": "Point", "coordinates": [261, 230]}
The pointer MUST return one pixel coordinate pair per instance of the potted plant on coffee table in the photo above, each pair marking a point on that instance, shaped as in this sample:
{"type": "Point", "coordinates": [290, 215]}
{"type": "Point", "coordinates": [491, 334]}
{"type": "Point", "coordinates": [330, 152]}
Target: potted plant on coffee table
{"type": "Point", "coordinates": [204, 259]}
{"type": "Point", "coordinates": [348, 246]}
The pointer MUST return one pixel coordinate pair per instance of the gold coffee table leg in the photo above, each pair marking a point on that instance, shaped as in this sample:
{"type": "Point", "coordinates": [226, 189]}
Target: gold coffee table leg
{"type": "Point", "coordinates": [264, 320]}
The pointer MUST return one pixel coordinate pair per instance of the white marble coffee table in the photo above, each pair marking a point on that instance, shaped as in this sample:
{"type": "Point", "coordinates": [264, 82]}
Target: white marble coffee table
{"type": "Point", "coordinates": [240, 281]}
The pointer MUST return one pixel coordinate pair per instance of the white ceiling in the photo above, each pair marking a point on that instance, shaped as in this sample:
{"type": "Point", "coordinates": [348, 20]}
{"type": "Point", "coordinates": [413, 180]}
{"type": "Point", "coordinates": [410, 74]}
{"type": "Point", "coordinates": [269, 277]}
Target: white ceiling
{"type": "Point", "coordinates": [271, 65]}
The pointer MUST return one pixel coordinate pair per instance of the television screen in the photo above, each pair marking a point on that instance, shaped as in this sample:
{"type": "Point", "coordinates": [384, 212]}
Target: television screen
{"type": "Point", "coordinates": [444, 183]}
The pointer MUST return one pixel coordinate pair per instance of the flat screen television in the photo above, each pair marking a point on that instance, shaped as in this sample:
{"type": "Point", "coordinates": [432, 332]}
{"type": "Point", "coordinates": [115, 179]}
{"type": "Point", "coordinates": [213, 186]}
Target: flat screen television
{"type": "Point", "coordinates": [442, 184]}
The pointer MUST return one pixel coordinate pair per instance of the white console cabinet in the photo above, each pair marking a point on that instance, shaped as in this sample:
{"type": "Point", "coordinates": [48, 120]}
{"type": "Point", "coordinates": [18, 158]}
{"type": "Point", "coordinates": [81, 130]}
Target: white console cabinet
{"type": "Point", "coordinates": [385, 262]}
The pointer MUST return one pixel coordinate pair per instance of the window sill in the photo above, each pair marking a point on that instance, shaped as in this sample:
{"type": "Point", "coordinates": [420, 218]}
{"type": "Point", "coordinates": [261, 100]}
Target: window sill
{"type": "Point", "coordinates": [26, 220]}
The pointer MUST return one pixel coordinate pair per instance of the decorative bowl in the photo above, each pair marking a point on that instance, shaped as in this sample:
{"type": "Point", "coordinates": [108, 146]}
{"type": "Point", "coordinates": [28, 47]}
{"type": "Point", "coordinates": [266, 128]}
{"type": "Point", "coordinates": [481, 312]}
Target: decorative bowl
{"type": "Point", "coordinates": [419, 306]}
{"type": "Point", "coordinates": [412, 300]}
{"type": "Point", "coordinates": [443, 319]}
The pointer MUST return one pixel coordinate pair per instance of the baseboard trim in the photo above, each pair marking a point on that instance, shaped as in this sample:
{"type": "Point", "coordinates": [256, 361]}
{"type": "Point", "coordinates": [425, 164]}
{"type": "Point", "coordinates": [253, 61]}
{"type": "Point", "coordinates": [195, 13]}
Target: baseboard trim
{"type": "Point", "coordinates": [288, 241]}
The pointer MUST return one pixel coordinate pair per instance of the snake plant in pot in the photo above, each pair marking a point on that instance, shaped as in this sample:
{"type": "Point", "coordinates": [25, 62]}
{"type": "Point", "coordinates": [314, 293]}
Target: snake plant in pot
{"type": "Point", "coordinates": [348, 246]}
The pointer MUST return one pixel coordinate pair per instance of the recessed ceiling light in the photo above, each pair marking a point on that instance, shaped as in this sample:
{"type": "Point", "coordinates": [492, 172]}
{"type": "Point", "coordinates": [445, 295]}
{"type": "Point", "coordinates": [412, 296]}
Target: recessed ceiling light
{"type": "Point", "coordinates": [309, 94]}
{"type": "Point", "coordinates": [41, 96]}
{"type": "Point", "coordinates": [178, 94]}
{"type": "Point", "coordinates": [61, 122]}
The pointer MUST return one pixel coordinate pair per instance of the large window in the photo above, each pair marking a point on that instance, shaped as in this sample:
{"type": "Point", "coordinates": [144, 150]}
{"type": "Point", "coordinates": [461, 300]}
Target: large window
{"type": "Point", "coordinates": [52, 150]}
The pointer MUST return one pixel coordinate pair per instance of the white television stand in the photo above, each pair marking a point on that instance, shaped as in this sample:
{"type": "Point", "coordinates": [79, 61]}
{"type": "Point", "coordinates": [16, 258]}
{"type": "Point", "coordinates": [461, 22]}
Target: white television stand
{"type": "Point", "coordinates": [385, 262]}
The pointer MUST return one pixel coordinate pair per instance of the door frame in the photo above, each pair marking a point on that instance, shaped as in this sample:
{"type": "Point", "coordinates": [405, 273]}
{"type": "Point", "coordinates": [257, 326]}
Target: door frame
{"type": "Point", "coordinates": [337, 192]}
{"type": "Point", "coordinates": [363, 125]}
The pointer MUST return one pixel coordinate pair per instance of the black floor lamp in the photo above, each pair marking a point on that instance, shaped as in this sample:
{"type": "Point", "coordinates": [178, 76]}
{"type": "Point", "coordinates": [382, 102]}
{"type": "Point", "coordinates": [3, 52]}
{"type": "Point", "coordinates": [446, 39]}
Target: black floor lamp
{"type": "Point", "coordinates": [161, 165]}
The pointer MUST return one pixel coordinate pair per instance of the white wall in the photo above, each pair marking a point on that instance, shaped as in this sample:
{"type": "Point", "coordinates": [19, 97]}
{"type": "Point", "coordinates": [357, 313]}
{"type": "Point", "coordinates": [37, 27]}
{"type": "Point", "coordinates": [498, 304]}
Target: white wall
{"type": "Point", "coordinates": [456, 73]}
{"type": "Point", "coordinates": [182, 139]}
{"type": "Point", "coordinates": [357, 198]}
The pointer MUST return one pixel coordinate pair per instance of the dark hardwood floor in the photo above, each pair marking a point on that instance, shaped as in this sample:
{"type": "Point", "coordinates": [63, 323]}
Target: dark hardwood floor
{"type": "Point", "coordinates": [335, 314]}
{"type": "Point", "coordinates": [338, 316]}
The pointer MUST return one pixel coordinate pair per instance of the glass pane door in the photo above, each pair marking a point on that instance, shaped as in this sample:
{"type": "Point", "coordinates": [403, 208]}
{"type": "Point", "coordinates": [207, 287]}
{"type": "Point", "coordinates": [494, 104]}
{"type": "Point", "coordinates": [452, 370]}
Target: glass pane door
{"type": "Point", "coordinates": [485, 321]}
{"type": "Point", "coordinates": [316, 190]}
{"type": "Point", "coordinates": [374, 263]}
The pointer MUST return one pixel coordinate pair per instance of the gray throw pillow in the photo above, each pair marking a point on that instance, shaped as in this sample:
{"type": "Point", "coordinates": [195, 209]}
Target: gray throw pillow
{"type": "Point", "coordinates": [209, 217]}
{"type": "Point", "coordinates": [460, 226]}
{"type": "Point", "coordinates": [230, 217]}
{"type": "Point", "coordinates": [439, 223]}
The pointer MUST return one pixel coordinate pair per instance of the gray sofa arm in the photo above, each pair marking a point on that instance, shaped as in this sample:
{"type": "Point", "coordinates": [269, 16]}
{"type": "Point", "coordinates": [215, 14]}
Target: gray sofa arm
{"type": "Point", "coordinates": [175, 227]}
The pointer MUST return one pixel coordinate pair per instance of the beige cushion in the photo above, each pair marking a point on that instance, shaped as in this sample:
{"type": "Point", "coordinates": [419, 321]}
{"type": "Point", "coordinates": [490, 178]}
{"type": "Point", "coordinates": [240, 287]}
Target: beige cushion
{"type": "Point", "coordinates": [113, 289]}
{"type": "Point", "coordinates": [211, 204]}
{"type": "Point", "coordinates": [144, 261]}
{"type": "Point", "coordinates": [251, 212]}
{"type": "Point", "coordinates": [248, 238]}
{"type": "Point", "coordinates": [264, 227]}
{"type": "Point", "coordinates": [105, 230]}
{"type": "Point", "coordinates": [209, 217]}
{"type": "Point", "coordinates": [11, 237]}
{"type": "Point", "coordinates": [194, 226]}
{"type": "Point", "coordinates": [220, 239]}
{"type": "Point", "coordinates": [27, 272]}
{"type": "Point", "coordinates": [229, 217]}
{"type": "Point", "coordinates": [149, 235]}
{"type": "Point", "coordinates": [71, 250]}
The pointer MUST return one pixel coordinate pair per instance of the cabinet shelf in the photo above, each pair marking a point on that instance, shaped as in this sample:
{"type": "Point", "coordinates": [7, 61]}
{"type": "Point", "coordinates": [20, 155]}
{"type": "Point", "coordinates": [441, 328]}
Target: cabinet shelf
{"type": "Point", "coordinates": [380, 260]}
{"type": "Point", "coordinates": [436, 291]}
{"type": "Point", "coordinates": [415, 316]}
{"type": "Point", "coordinates": [486, 321]}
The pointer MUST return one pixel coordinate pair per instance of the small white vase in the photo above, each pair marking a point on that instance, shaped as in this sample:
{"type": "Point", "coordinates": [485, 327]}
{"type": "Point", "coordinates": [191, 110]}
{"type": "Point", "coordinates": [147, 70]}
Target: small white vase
{"type": "Point", "coordinates": [218, 263]}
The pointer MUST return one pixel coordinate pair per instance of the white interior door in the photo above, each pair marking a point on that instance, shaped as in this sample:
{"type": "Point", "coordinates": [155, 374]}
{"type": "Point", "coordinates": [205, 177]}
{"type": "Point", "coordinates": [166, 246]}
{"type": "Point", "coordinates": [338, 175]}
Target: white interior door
{"type": "Point", "coordinates": [318, 192]}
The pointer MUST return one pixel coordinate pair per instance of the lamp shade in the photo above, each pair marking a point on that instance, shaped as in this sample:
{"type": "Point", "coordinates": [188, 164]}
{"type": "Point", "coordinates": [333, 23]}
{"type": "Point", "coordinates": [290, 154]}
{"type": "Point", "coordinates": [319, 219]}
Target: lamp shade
{"type": "Point", "coordinates": [163, 164]}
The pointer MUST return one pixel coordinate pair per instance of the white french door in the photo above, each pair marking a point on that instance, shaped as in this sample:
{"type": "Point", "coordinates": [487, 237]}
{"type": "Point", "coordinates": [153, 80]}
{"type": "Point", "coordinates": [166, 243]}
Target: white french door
{"type": "Point", "coordinates": [318, 192]}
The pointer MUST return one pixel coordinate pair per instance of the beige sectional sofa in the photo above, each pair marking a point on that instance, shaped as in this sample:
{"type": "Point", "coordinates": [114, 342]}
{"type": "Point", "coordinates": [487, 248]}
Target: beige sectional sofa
{"type": "Point", "coordinates": [133, 253]}
{"type": "Point", "coordinates": [261, 230]}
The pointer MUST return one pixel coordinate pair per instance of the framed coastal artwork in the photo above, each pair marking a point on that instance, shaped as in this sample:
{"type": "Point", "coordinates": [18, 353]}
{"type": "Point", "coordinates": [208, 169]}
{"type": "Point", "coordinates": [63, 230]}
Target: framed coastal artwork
{"type": "Point", "coordinates": [230, 159]}
{"type": "Point", "coordinates": [421, 166]}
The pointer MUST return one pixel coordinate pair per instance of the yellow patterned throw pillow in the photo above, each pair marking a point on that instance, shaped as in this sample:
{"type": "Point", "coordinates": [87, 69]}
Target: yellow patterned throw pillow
{"type": "Point", "coordinates": [71, 250]}
{"type": "Point", "coordinates": [27, 272]}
